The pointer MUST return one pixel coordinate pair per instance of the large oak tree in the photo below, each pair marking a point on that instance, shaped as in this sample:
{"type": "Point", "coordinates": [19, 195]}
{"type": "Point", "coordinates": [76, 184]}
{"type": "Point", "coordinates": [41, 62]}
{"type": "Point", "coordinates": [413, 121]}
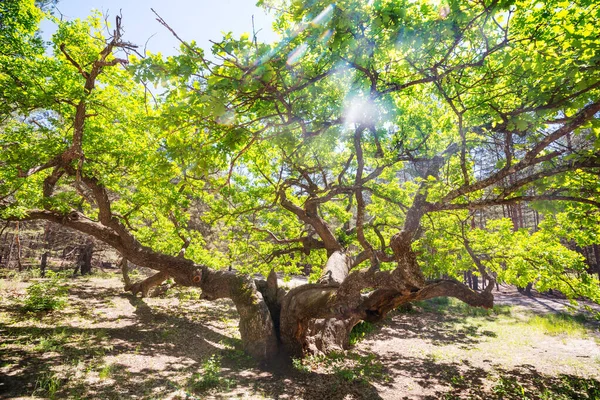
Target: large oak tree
{"type": "Point", "coordinates": [361, 147]}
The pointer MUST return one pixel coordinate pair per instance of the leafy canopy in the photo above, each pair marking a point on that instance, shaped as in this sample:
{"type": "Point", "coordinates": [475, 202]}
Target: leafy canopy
{"type": "Point", "coordinates": [268, 156]}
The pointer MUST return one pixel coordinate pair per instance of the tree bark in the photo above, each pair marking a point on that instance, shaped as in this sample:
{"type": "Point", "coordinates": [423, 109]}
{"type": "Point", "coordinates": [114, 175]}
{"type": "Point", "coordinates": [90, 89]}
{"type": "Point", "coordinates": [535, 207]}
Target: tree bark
{"type": "Point", "coordinates": [43, 264]}
{"type": "Point", "coordinates": [597, 258]}
{"type": "Point", "coordinates": [85, 258]}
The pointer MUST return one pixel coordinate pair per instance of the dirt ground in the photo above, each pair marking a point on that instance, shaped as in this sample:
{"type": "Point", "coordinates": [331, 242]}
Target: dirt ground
{"type": "Point", "coordinates": [108, 345]}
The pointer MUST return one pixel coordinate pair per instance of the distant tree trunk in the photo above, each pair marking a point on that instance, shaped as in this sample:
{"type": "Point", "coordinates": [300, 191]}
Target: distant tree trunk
{"type": "Point", "coordinates": [526, 290]}
{"type": "Point", "coordinates": [43, 264]}
{"type": "Point", "coordinates": [15, 250]}
{"type": "Point", "coordinates": [597, 257]}
{"type": "Point", "coordinates": [475, 282]}
{"type": "Point", "coordinates": [469, 279]}
{"type": "Point", "coordinates": [46, 246]}
{"type": "Point", "coordinates": [18, 243]}
{"type": "Point", "coordinates": [85, 258]}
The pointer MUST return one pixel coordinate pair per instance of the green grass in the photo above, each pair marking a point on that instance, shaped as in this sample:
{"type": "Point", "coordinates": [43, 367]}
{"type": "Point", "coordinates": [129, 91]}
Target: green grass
{"type": "Point", "coordinates": [559, 324]}
{"type": "Point", "coordinates": [46, 295]}
{"type": "Point", "coordinates": [453, 306]}
{"type": "Point", "coordinates": [47, 384]}
{"type": "Point", "coordinates": [349, 366]}
{"type": "Point", "coordinates": [210, 377]}
{"type": "Point", "coordinates": [106, 371]}
{"type": "Point", "coordinates": [550, 324]}
{"type": "Point", "coordinates": [565, 387]}
{"type": "Point", "coordinates": [360, 331]}
{"type": "Point", "coordinates": [54, 341]}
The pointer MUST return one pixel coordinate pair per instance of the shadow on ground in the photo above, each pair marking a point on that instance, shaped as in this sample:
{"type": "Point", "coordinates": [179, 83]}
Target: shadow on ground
{"type": "Point", "coordinates": [154, 349]}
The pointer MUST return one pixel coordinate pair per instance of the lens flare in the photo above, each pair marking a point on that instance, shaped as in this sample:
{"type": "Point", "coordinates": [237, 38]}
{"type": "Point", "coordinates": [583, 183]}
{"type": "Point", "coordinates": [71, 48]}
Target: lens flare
{"type": "Point", "coordinates": [227, 119]}
{"type": "Point", "coordinates": [324, 16]}
{"type": "Point", "coordinates": [325, 36]}
{"type": "Point", "coordinates": [296, 54]}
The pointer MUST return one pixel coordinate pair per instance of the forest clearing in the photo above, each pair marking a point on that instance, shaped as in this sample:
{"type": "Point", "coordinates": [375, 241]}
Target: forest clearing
{"type": "Point", "coordinates": [358, 199]}
{"type": "Point", "coordinates": [109, 345]}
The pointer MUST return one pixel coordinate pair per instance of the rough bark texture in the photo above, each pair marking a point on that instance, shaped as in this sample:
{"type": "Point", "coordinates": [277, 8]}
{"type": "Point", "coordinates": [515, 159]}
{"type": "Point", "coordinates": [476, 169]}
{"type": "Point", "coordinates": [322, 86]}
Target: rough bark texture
{"type": "Point", "coordinates": [43, 264]}
{"type": "Point", "coordinates": [85, 258]}
{"type": "Point", "coordinates": [318, 318]}
{"type": "Point", "coordinates": [256, 325]}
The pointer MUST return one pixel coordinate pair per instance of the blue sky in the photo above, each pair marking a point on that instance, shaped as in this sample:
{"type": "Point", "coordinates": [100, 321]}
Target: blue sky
{"type": "Point", "coordinates": [200, 20]}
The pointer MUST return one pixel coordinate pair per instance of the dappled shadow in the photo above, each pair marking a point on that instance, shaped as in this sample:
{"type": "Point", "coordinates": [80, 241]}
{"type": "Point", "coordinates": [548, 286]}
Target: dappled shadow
{"type": "Point", "coordinates": [463, 381]}
{"type": "Point", "coordinates": [150, 348]}
{"type": "Point", "coordinates": [156, 337]}
{"type": "Point", "coordinates": [539, 302]}
{"type": "Point", "coordinates": [53, 347]}
{"type": "Point", "coordinates": [315, 386]}
{"type": "Point", "coordinates": [439, 329]}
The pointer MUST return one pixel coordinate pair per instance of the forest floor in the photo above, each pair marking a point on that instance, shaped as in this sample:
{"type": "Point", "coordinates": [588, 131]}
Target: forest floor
{"type": "Point", "coordinates": [106, 344]}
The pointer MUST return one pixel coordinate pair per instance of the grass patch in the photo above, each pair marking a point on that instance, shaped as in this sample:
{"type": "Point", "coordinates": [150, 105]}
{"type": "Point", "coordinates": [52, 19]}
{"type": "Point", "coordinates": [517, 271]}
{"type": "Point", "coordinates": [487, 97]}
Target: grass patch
{"type": "Point", "coordinates": [565, 387]}
{"type": "Point", "coordinates": [559, 324]}
{"type": "Point", "coordinates": [47, 384]}
{"type": "Point", "coordinates": [106, 371]}
{"type": "Point", "coordinates": [54, 341]}
{"type": "Point", "coordinates": [447, 305]}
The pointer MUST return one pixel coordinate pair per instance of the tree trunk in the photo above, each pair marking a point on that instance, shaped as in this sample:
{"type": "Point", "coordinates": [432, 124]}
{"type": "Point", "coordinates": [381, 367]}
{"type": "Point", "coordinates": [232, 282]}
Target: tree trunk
{"type": "Point", "coordinates": [318, 318]}
{"type": "Point", "coordinates": [597, 258]}
{"type": "Point", "coordinates": [469, 279]}
{"type": "Point", "coordinates": [18, 244]}
{"type": "Point", "coordinates": [43, 264]}
{"type": "Point", "coordinates": [301, 329]}
{"type": "Point", "coordinates": [86, 258]}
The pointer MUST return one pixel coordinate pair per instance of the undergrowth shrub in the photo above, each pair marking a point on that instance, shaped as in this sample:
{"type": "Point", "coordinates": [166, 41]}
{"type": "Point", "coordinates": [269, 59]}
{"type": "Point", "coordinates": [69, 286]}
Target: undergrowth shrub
{"type": "Point", "coordinates": [210, 377]}
{"type": "Point", "coordinates": [46, 295]}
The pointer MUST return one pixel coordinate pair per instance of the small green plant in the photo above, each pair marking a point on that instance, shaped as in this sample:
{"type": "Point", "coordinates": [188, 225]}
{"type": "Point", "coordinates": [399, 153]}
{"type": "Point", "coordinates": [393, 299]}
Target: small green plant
{"type": "Point", "coordinates": [299, 365]}
{"type": "Point", "coordinates": [46, 295]}
{"type": "Point", "coordinates": [360, 331]}
{"type": "Point", "coordinates": [509, 388]}
{"type": "Point", "coordinates": [360, 368]}
{"type": "Point", "coordinates": [210, 377]}
{"type": "Point", "coordinates": [348, 366]}
{"type": "Point", "coordinates": [47, 384]}
{"type": "Point", "coordinates": [187, 294]}
{"type": "Point", "coordinates": [457, 380]}
{"type": "Point", "coordinates": [54, 341]}
{"type": "Point", "coordinates": [106, 371]}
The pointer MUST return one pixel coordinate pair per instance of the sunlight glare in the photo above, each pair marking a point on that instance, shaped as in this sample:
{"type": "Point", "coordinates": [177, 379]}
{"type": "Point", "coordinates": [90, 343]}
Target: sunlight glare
{"type": "Point", "coordinates": [359, 110]}
{"type": "Point", "coordinates": [296, 54]}
{"type": "Point", "coordinates": [227, 119]}
{"type": "Point", "coordinates": [324, 16]}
